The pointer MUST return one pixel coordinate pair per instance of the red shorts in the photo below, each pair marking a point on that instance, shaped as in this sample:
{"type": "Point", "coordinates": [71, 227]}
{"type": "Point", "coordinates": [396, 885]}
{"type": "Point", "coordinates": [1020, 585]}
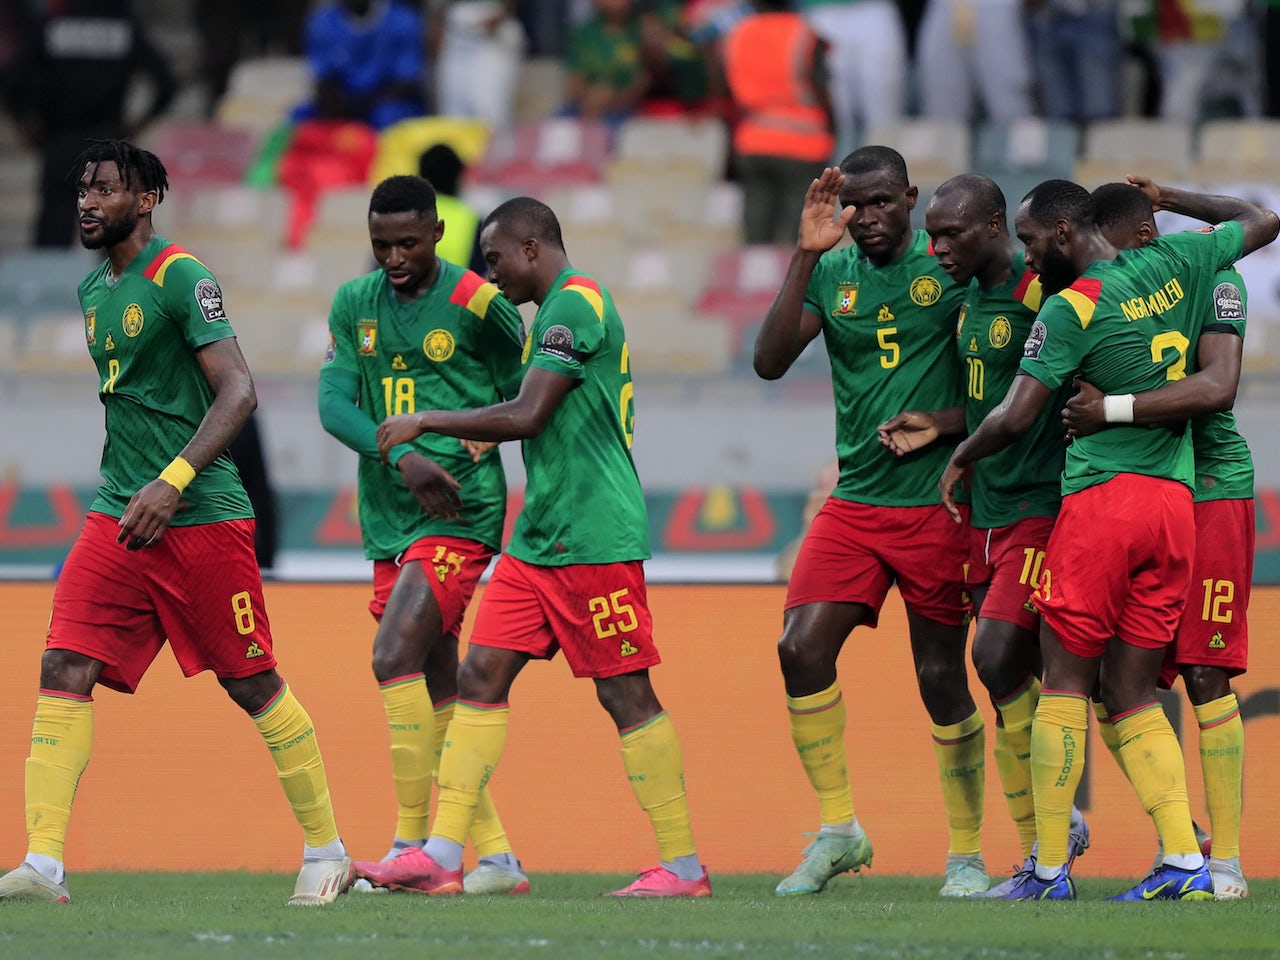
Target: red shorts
{"type": "Point", "coordinates": [1119, 564]}
{"type": "Point", "coordinates": [453, 567]}
{"type": "Point", "coordinates": [597, 613]}
{"type": "Point", "coordinates": [1007, 561]}
{"type": "Point", "coordinates": [199, 587]}
{"type": "Point", "coordinates": [1214, 631]}
{"type": "Point", "coordinates": [854, 552]}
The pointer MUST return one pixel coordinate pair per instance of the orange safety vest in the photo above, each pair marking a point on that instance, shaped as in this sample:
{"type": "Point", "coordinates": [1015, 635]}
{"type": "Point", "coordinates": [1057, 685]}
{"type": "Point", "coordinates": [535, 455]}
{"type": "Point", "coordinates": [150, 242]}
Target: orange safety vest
{"type": "Point", "coordinates": [768, 61]}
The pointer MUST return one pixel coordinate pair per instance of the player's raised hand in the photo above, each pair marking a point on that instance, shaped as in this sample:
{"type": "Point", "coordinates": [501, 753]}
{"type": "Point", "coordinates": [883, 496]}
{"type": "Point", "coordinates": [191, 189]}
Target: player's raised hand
{"type": "Point", "coordinates": [432, 485]}
{"type": "Point", "coordinates": [149, 513]}
{"type": "Point", "coordinates": [947, 487]}
{"type": "Point", "coordinates": [1084, 413]}
{"type": "Point", "coordinates": [1150, 188]}
{"type": "Point", "coordinates": [820, 229]}
{"type": "Point", "coordinates": [908, 431]}
{"type": "Point", "coordinates": [397, 428]}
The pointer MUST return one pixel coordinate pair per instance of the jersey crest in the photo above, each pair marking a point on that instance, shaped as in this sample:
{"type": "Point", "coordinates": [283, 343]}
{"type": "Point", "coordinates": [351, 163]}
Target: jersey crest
{"type": "Point", "coordinates": [1000, 332]}
{"type": "Point", "coordinates": [438, 345]}
{"type": "Point", "coordinates": [90, 321]}
{"type": "Point", "coordinates": [846, 300]}
{"type": "Point", "coordinates": [964, 312]}
{"type": "Point", "coordinates": [367, 338]}
{"type": "Point", "coordinates": [925, 291]}
{"type": "Point", "coordinates": [132, 320]}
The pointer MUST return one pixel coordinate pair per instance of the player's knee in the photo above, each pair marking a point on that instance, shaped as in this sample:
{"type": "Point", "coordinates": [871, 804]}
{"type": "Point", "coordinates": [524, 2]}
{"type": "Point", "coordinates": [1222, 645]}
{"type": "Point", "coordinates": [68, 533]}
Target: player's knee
{"type": "Point", "coordinates": [1205, 684]}
{"type": "Point", "coordinates": [941, 684]}
{"type": "Point", "coordinates": [68, 671]}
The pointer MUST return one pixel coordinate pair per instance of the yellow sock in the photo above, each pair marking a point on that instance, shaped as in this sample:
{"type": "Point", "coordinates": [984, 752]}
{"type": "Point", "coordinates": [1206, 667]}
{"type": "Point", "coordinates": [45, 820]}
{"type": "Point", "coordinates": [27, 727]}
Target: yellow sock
{"type": "Point", "coordinates": [1153, 763]}
{"type": "Point", "coordinates": [472, 749]}
{"type": "Point", "coordinates": [1222, 760]}
{"type": "Point", "coordinates": [1107, 730]}
{"type": "Point", "coordinates": [61, 741]}
{"type": "Point", "coordinates": [655, 767]}
{"type": "Point", "coordinates": [411, 722]}
{"type": "Point", "coordinates": [817, 730]}
{"type": "Point", "coordinates": [487, 833]}
{"type": "Point", "coordinates": [961, 749]}
{"type": "Point", "coordinates": [1013, 759]}
{"type": "Point", "coordinates": [291, 738]}
{"type": "Point", "coordinates": [1057, 764]}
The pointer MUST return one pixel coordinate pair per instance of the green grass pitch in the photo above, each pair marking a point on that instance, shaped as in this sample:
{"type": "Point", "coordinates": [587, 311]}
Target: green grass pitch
{"type": "Point", "coordinates": [227, 915]}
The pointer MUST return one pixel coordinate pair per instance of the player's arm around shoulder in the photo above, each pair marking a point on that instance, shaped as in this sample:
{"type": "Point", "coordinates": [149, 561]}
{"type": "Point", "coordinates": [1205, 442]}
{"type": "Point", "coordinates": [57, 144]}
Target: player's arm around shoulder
{"type": "Point", "coordinates": [793, 319]}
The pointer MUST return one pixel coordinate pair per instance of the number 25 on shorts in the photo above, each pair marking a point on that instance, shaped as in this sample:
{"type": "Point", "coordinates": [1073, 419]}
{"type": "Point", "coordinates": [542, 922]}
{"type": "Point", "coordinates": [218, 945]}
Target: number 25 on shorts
{"type": "Point", "coordinates": [612, 615]}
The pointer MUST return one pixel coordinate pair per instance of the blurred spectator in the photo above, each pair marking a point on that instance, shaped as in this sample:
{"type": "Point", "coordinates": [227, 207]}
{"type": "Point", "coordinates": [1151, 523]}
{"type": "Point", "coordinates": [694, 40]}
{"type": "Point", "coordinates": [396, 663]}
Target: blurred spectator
{"type": "Point", "coordinates": [773, 64]}
{"type": "Point", "coordinates": [1271, 55]}
{"type": "Point", "coordinates": [678, 69]}
{"type": "Point", "coordinates": [546, 22]}
{"type": "Point", "coordinates": [233, 29]}
{"type": "Point", "coordinates": [607, 74]}
{"type": "Point", "coordinates": [441, 166]}
{"type": "Point", "coordinates": [368, 60]}
{"type": "Point", "coordinates": [973, 54]}
{"type": "Point", "coordinates": [867, 62]}
{"type": "Point", "coordinates": [69, 81]}
{"type": "Point", "coordinates": [1078, 58]}
{"type": "Point", "coordinates": [1187, 37]}
{"type": "Point", "coordinates": [322, 155]}
{"type": "Point", "coordinates": [479, 46]}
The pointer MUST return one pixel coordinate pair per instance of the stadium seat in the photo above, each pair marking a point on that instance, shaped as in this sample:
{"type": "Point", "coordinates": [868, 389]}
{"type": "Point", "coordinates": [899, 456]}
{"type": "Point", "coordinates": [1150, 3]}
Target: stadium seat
{"type": "Point", "coordinates": [540, 90]}
{"type": "Point", "coordinates": [1022, 154]}
{"type": "Point", "coordinates": [1236, 151]}
{"type": "Point", "coordinates": [534, 158]}
{"type": "Point", "coordinates": [401, 144]}
{"type": "Point", "coordinates": [1159, 149]}
{"type": "Point", "coordinates": [203, 153]}
{"type": "Point", "coordinates": [742, 286]}
{"type": "Point", "coordinates": [703, 141]}
{"type": "Point", "coordinates": [649, 194]}
{"type": "Point", "coordinates": [935, 150]}
{"type": "Point", "coordinates": [664, 337]}
{"type": "Point", "coordinates": [262, 92]}
{"type": "Point", "coordinates": [55, 345]}
{"type": "Point", "coordinates": [256, 214]}
{"type": "Point", "coordinates": [35, 283]}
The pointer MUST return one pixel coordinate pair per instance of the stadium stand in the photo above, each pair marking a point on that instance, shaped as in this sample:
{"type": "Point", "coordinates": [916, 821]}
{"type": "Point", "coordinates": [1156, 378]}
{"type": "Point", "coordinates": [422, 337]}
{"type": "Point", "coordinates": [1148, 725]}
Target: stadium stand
{"type": "Point", "coordinates": [263, 91]}
{"type": "Point", "coordinates": [534, 157]}
{"type": "Point", "coordinates": [1237, 151]}
{"type": "Point", "coordinates": [1159, 149]}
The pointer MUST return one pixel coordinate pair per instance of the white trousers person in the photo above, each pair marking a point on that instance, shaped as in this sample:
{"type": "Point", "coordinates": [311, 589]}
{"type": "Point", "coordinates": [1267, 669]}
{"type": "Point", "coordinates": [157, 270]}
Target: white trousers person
{"type": "Point", "coordinates": [478, 68]}
{"type": "Point", "coordinates": [970, 52]}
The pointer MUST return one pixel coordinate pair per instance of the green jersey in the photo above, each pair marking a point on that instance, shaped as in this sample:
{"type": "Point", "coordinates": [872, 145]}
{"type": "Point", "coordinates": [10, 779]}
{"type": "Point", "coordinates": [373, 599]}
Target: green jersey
{"type": "Point", "coordinates": [456, 347]}
{"type": "Point", "coordinates": [890, 334]}
{"type": "Point", "coordinates": [1023, 480]}
{"type": "Point", "coordinates": [1224, 465]}
{"type": "Point", "coordinates": [1127, 326]}
{"type": "Point", "coordinates": [143, 330]}
{"type": "Point", "coordinates": [583, 502]}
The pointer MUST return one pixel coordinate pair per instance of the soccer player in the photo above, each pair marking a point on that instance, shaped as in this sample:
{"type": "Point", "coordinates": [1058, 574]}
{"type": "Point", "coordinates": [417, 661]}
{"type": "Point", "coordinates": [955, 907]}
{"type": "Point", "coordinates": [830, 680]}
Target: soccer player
{"type": "Point", "coordinates": [572, 577]}
{"type": "Point", "coordinates": [1113, 589]}
{"type": "Point", "coordinates": [1212, 643]}
{"type": "Point", "coordinates": [420, 330]}
{"type": "Point", "coordinates": [1015, 494]}
{"type": "Point", "coordinates": [887, 310]}
{"type": "Point", "coordinates": [166, 552]}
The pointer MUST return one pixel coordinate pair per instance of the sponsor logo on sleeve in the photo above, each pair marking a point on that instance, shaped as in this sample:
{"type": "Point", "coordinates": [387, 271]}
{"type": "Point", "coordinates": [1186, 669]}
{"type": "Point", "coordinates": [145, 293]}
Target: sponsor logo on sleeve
{"type": "Point", "coordinates": [1228, 303]}
{"type": "Point", "coordinates": [209, 296]}
{"type": "Point", "coordinates": [558, 341]}
{"type": "Point", "coordinates": [1035, 340]}
{"type": "Point", "coordinates": [331, 351]}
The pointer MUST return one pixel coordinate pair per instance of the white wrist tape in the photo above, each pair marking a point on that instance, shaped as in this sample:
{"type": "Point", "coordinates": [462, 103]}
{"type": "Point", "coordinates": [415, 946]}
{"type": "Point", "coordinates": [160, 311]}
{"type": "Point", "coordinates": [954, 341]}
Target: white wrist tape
{"type": "Point", "coordinates": [1118, 408]}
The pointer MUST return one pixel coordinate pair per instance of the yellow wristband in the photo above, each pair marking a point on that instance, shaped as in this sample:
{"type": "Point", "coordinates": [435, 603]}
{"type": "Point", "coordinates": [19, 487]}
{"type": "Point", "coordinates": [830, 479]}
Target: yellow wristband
{"type": "Point", "coordinates": [179, 473]}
